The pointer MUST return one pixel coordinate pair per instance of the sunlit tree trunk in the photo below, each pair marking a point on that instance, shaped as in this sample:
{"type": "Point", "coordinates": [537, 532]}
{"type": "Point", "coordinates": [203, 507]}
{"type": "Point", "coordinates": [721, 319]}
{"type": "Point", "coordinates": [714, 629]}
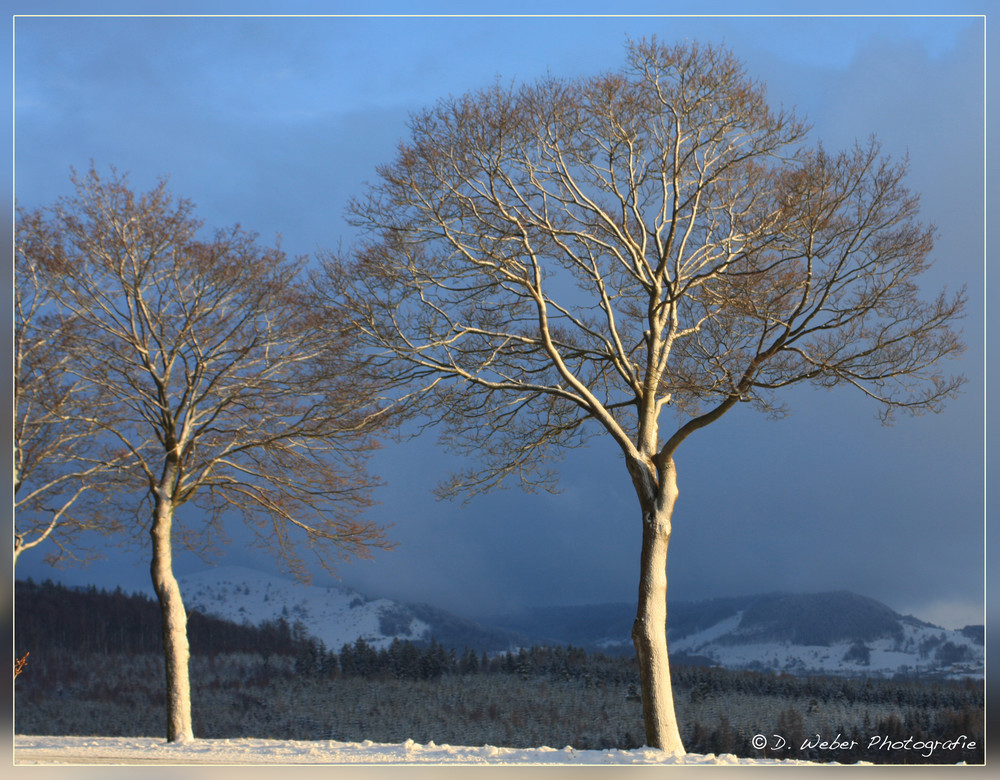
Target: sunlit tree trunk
{"type": "Point", "coordinates": [649, 629]}
{"type": "Point", "coordinates": [174, 623]}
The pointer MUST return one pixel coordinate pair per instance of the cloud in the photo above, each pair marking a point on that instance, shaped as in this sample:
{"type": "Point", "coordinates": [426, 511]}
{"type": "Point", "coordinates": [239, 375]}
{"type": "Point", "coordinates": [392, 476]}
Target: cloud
{"type": "Point", "coordinates": [948, 613]}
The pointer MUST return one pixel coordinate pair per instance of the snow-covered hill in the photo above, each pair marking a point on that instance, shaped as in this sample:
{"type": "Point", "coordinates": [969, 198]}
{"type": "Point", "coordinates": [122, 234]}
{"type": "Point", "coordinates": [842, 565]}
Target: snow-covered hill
{"type": "Point", "coordinates": [335, 615]}
{"type": "Point", "coordinates": [829, 633]}
{"type": "Point", "coordinates": [920, 649]}
{"type": "Point", "coordinates": [817, 633]}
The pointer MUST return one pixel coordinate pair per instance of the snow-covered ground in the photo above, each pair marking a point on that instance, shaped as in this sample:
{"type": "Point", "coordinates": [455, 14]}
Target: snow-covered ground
{"type": "Point", "coordinates": [146, 750]}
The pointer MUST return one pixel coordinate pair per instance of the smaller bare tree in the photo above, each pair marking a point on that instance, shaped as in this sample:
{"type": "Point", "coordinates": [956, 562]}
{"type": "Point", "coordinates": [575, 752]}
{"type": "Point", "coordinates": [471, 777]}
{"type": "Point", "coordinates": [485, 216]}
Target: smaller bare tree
{"type": "Point", "coordinates": [226, 393]}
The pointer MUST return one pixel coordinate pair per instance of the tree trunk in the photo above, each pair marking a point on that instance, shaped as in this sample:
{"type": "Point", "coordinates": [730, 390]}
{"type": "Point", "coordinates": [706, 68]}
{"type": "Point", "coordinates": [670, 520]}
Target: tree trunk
{"type": "Point", "coordinates": [649, 633]}
{"type": "Point", "coordinates": [174, 624]}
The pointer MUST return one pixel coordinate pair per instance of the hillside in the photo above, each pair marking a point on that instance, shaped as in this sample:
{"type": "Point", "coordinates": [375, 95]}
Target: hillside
{"type": "Point", "coordinates": [818, 633]}
{"type": "Point", "coordinates": [333, 614]}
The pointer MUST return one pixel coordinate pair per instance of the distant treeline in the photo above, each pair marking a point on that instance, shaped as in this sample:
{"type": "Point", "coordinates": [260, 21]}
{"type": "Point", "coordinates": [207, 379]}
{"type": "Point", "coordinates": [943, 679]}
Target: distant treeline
{"type": "Point", "coordinates": [51, 615]}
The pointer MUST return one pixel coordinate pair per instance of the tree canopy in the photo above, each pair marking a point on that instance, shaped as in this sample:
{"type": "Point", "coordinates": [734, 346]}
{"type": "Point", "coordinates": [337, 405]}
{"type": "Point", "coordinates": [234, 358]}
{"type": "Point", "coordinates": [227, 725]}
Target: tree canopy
{"type": "Point", "coordinates": [204, 349]}
{"type": "Point", "coordinates": [599, 249]}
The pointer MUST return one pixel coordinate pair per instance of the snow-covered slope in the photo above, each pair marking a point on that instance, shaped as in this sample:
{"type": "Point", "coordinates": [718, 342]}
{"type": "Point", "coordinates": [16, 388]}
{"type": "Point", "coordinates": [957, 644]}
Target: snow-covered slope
{"type": "Point", "coordinates": [815, 633]}
{"type": "Point", "coordinates": [828, 633]}
{"type": "Point", "coordinates": [334, 615]}
{"type": "Point", "coordinates": [921, 649]}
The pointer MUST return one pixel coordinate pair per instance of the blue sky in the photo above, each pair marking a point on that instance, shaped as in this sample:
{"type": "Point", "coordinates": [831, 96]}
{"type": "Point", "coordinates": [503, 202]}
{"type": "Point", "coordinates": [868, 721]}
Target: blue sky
{"type": "Point", "coordinates": [275, 122]}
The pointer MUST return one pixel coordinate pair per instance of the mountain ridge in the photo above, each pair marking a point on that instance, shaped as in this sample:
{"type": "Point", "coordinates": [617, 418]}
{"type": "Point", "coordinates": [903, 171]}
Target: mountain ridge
{"type": "Point", "coordinates": [837, 632]}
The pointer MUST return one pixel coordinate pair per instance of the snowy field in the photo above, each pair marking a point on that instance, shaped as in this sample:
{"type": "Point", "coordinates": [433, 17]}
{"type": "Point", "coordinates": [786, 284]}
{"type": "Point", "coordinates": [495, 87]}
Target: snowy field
{"type": "Point", "coordinates": [64, 751]}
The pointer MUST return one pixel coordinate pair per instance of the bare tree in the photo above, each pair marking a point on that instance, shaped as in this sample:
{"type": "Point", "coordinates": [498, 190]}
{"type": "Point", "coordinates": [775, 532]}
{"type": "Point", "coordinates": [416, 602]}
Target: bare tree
{"type": "Point", "coordinates": [57, 460]}
{"type": "Point", "coordinates": [225, 392]}
{"type": "Point", "coordinates": [546, 261]}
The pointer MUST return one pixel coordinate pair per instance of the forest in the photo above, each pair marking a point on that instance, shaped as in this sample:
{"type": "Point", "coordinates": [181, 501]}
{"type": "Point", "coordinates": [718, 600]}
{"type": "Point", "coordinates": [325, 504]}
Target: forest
{"type": "Point", "coordinates": [94, 669]}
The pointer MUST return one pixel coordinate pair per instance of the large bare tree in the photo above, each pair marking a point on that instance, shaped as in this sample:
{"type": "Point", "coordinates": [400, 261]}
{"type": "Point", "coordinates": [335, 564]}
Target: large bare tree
{"type": "Point", "coordinates": [223, 392]}
{"type": "Point", "coordinates": [635, 254]}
